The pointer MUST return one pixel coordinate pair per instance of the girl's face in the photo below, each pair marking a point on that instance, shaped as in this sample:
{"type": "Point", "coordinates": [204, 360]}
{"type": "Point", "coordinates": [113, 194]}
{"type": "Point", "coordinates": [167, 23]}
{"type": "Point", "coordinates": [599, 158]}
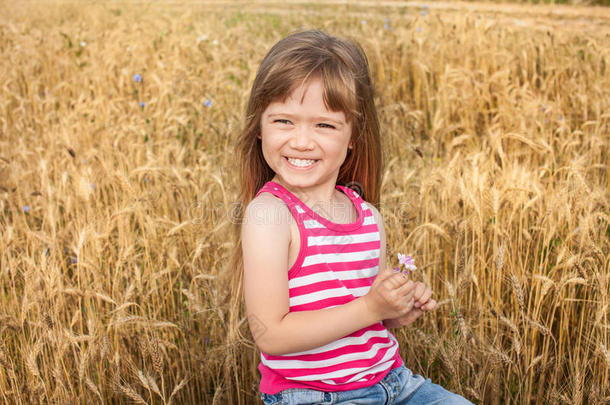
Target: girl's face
{"type": "Point", "coordinates": [304, 143]}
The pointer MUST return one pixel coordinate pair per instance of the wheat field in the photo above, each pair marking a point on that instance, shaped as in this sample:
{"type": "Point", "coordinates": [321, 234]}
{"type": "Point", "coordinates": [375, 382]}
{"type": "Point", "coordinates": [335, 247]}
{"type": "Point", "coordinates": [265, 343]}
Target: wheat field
{"type": "Point", "coordinates": [118, 193]}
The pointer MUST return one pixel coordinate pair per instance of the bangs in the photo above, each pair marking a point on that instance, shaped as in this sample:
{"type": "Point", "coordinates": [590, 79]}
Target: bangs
{"type": "Point", "coordinates": [340, 91]}
{"type": "Point", "coordinates": [339, 85]}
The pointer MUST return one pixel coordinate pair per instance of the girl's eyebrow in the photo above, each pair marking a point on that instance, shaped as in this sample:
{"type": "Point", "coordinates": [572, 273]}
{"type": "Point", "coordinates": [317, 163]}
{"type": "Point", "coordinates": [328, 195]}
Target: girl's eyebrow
{"type": "Point", "coordinates": [318, 118]}
{"type": "Point", "coordinates": [279, 114]}
{"type": "Point", "coordinates": [334, 121]}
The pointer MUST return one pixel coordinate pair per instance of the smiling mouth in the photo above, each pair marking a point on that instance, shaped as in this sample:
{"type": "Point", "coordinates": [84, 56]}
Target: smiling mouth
{"type": "Point", "coordinates": [300, 162]}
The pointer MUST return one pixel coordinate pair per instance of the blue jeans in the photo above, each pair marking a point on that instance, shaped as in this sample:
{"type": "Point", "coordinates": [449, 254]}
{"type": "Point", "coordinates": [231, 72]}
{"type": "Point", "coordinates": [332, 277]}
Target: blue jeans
{"type": "Point", "coordinates": [400, 386]}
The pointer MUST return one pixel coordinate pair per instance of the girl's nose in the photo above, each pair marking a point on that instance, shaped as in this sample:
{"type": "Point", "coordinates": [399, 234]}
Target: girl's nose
{"type": "Point", "coordinates": [301, 139]}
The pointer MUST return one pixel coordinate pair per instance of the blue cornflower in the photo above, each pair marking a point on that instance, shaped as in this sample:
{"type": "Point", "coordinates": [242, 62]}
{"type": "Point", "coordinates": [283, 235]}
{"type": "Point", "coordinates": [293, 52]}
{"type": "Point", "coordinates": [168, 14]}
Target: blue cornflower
{"type": "Point", "coordinates": [142, 104]}
{"type": "Point", "coordinates": [26, 208]}
{"type": "Point", "coordinates": [387, 24]}
{"type": "Point", "coordinates": [560, 117]}
{"type": "Point", "coordinates": [418, 29]}
{"type": "Point", "coordinates": [423, 12]}
{"type": "Point", "coordinates": [206, 340]}
{"type": "Point", "coordinates": [74, 260]}
{"type": "Point", "coordinates": [363, 22]}
{"type": "Point", "coordinates": [543, 108]}
{"type": "Point", "coordinates": [137, 78]}
{"type": "Point", "coordinates": [208, 103]}
{"type": "Point", "coordinates": [92, 186]}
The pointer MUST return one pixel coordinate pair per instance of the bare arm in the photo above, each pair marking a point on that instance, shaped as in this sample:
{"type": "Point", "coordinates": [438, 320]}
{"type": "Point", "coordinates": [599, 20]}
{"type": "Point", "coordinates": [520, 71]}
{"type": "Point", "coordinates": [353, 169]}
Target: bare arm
{"type": "Point", "coordinates": [265, 243]}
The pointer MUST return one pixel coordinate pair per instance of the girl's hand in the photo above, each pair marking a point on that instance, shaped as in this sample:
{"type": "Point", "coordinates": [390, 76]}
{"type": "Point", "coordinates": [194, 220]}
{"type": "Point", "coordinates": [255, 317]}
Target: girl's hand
{"type": "Point", "coordinates": [405, 320]}
{"type": "Point", "coordinates": [423, 303]}
{"type": "Point", "coordinates": [411, 317]}
{"type": "Point", "coordinates": [391, 295]}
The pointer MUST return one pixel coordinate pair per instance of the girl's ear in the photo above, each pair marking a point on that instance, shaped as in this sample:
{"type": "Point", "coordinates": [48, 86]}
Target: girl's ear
{"type": "Point", "coordinates": [350, 145]}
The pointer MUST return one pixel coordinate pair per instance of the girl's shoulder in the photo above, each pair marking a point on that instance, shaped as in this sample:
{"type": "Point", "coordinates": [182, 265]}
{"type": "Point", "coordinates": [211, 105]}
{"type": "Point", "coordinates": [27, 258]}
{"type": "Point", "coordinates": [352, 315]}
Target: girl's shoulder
{"type": "Point", "coordinates": [266, 226]}
{"type": "Point", "coordinates": [267, 210]}
{"type": "Point", "coordinates": [267, 200]}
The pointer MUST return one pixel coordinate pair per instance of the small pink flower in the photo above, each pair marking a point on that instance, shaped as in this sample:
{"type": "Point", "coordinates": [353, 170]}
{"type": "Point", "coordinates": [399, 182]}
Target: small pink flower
{"type": "Point", "coordinates": [407, 261]}
{"type": "Point", "coordinates": [402, 258]}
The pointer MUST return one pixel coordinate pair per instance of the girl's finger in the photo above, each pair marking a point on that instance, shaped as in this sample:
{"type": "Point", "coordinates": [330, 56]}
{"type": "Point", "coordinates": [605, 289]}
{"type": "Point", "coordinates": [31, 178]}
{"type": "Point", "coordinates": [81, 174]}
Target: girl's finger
{"type": "Point", "coordinates": [430, 305]}
{"type": "Point", "coordinates": [386, 273]}
{"type": "Point", "coordinates": [411, 317]}
{"type": "Point", "coordinates": [407, 289]}
{"type": "Point", "coordinates": [409, 305]}
{"type": "Point", "coordinates": [415, 313]}
{"type": "Point", "coordinates": [420, 289]}
{"type": "Point", "coordinates": [424, 298]}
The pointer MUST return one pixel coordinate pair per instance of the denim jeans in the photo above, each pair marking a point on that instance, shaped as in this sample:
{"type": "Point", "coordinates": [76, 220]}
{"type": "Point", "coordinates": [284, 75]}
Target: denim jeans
{"type": "Point", "coordinates": [400, 386]}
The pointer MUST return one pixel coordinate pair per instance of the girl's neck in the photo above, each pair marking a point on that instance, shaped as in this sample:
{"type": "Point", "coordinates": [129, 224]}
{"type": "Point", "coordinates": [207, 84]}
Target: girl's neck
{"type": "Point", "coordinates": [325, 197]}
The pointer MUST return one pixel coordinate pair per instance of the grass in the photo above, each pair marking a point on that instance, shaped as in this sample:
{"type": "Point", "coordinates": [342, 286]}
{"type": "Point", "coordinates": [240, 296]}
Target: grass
{"type": "Point", "coordinates": [113, 280]}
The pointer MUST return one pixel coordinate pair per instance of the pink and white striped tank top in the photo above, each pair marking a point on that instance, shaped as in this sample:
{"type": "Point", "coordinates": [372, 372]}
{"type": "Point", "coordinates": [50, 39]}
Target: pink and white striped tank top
{"type": "Point", "coordinates": [336, 264]}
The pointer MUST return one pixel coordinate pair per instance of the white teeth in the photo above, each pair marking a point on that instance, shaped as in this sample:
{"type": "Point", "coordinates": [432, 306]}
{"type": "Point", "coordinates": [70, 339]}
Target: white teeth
{"type": "Point", "coordinates": [301, 162]}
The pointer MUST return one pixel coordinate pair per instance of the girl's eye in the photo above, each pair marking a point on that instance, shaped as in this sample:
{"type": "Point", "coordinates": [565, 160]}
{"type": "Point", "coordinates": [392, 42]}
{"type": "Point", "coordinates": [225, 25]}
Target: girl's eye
{"type": "Point", "coordinates": [282, 121]}
{"type": "Point", "coordinates": [323, 125]}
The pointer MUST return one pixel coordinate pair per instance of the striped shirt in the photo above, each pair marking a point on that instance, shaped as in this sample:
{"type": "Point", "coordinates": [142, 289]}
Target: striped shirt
{"type": "Point", "coordinates": [336, 264]}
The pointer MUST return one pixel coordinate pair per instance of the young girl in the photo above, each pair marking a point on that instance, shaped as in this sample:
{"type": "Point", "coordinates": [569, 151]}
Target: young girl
{"type": "Point", "coordinates": [318, 293]}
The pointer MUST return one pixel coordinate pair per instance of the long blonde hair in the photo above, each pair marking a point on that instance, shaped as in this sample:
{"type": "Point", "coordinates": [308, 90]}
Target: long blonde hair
{"type": "Point", "coordinates": [343, 68]}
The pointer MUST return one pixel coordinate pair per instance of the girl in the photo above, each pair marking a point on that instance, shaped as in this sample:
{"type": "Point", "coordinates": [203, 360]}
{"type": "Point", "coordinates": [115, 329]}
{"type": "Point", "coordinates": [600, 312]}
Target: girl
{"type": "Point", "coordinates": [318, 295]}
